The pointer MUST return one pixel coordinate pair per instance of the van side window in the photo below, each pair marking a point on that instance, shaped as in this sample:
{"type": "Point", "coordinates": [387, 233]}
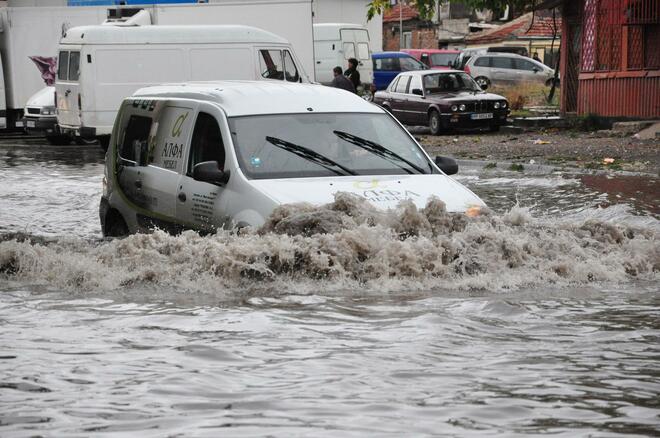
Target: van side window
{"type": "Point", "coordinates": [523, 64]}
{"type": "Point", "coordinates": [349, 50]}
{"type": "Point", "coordinates": [136, 133]}
{"type": "Point", "coordinates": [63, 66]}
{"type": "Point", "coordinates": [388, 64]}
{"type": "Point", "coordinates": [484, 61]}
{"type": "Point", "coordinates": [290, 70]}
{"type": "Point", "coordinates": [501, 62]}
{"type": "Point", "coordinates": [74, 66]}
{"type": "Point", "coordinates": [270, 64]}
{"type": "Point", "coordinates": [206, 143]}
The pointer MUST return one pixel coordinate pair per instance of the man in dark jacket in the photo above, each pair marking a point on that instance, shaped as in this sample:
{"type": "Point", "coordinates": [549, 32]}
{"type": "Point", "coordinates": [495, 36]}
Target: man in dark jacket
{"type": "Point", "coordinates": [341, 81]}
{"type": "Point", "coordinates": [352, 72]}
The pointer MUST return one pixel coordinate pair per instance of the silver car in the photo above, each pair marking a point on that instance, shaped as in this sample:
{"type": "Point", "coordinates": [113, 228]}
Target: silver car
{"type": "Point", "coordinates": [507, 69]}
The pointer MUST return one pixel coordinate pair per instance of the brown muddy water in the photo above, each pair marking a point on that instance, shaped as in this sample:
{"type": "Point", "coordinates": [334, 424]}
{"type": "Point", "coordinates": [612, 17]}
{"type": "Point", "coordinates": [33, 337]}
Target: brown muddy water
{"type": "Point", "coordinates": [539, 318]}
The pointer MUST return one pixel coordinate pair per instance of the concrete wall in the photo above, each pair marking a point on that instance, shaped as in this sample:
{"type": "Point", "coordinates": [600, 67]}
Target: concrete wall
{"type": "Point", "coordinates": [350, 11]}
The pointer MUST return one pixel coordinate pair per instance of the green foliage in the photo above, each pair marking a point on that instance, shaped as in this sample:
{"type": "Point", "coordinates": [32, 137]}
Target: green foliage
{"type": "Point", "coordinates": [426, 8]}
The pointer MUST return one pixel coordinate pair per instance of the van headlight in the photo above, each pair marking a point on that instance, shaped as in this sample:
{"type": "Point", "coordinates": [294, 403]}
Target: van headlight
{"type": "Point", "coordinates": [461, 107]}
{"type": "Point", "coordinates": [454, 108]}
{"type": "Point", "coordinates": [496, 105]}
{"type": "Point", "coordinates": [48, 111]}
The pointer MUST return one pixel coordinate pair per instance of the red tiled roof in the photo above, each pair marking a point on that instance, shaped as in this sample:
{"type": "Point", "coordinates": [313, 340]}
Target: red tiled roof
{"type": "Point", "coordinates": [520, 28]}
{"type": "Point", "coordinates": [407, 13]}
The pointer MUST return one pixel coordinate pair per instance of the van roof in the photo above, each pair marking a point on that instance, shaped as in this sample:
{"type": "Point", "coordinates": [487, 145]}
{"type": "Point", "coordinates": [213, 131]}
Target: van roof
{"type": "Point", "coordinates": [102, 34]}
{"type": "Point", "coordinates": [242, 98]}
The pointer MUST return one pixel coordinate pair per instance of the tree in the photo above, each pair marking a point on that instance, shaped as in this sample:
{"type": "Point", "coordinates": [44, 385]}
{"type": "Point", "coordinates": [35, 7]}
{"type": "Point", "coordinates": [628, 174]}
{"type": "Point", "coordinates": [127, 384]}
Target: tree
{"type": "Point", "coordinates": [426, 8]}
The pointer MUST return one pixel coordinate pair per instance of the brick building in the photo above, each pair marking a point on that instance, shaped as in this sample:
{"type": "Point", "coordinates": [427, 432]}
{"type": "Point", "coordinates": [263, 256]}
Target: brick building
{"type": "Point", "coordinates": [417, 33]}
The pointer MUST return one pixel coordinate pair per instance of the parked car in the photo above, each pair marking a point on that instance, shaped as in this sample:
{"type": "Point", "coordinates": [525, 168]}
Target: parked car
{"type": "Point", "coordinates": [442, 100]}
{"type": "Point", "coordinates": [435, 58]}
{"type": "Point", "coordinates": [507, 69]}
{"type": "Point", "coordinates": [389, 64]}
{"type": "Point", "coordinates": [40, 116]}
{"type": "Point", "coordinates": [225, 154]}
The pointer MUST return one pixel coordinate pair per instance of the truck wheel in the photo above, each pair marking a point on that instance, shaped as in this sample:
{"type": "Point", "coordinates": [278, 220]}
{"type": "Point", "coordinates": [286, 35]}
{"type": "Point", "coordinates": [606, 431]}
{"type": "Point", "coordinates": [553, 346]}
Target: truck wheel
{"type": "Point", "coordinates": [58, 140]}
{"type": "Point", "coordinates": [434, 122]}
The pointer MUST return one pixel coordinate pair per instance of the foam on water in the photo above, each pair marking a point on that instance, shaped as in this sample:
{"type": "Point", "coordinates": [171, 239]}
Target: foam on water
{"type": "Point", "coordinates": [348, 245]}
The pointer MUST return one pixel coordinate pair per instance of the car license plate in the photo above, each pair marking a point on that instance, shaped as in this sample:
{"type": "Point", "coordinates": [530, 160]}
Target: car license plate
{"type": "Point", "coordinates": [30, 124]}
{"type": "Point", "coordinates": [479, 116]}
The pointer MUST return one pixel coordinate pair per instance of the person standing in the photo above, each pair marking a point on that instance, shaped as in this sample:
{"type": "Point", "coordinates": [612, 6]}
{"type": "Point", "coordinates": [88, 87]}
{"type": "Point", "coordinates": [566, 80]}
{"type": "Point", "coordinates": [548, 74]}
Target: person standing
{"type": "Point", "coordinates": [341, 81]}
{"type": "Point", "coordinates": [352, 73]}
{"type": "Point", "coordinates": [535, 57]}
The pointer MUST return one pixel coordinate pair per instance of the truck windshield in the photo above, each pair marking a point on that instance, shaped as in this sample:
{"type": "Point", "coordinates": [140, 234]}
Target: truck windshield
{"type": "Point", "coordinates": [330, 144]}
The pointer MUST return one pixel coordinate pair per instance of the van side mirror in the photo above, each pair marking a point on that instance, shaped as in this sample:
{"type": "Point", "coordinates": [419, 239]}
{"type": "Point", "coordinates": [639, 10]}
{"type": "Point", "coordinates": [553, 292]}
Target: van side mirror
{"type": "Point", "coordinates": [447, 165]}
{"type": "Point", "coordinates": [208, 171]}
{"type": "Point", "coordinates": [418, 92]}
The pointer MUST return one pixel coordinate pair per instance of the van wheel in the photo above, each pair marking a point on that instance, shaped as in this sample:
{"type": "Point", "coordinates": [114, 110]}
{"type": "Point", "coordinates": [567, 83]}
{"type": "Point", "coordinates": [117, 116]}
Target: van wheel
{"type": "Point", "coordinates": [104, 141]}
{"type": "Point", "coordinates": [115, 225]}
{"type": "Point", "coordinates": [483, 82]}
{"type": "Point", "coordinates": [434, 122]}
{"type": "Point", "coordinates": [58, 140]}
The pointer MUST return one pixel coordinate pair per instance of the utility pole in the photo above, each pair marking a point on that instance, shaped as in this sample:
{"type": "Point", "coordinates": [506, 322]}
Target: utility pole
{"type": "Point", "coordinates": [400, 24]}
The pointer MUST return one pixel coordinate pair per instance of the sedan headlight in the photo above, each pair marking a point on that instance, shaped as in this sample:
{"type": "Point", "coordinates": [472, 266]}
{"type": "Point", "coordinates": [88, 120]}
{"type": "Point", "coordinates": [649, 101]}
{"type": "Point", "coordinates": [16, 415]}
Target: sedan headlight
{"type": "Point", "coordinates": [454, 108]}
{"type": "Point", "coordinates": [461, 107]}
{"type": "Point", "coordinates": [48, 111]}
{"type": "Point", "coordinates": [504, 104]}
{"type": "Point", "coordinates": [496, 105]}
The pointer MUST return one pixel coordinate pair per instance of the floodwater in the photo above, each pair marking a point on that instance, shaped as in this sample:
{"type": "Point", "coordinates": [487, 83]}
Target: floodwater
{"type": "Point", "coordinates": [542, 317]}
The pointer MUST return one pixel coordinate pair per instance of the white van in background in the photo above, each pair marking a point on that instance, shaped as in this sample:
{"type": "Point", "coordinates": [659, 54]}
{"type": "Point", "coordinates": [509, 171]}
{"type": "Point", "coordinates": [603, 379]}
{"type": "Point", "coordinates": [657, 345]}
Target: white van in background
{"type": "Point", "coordinates": [100, 65]}
{"type": "Point", "coordinates": [335, 44]}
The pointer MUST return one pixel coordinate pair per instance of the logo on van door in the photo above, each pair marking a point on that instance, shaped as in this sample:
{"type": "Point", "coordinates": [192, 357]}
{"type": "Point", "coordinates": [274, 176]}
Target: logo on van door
{"type": "Point", "coordinates": [178, 125]}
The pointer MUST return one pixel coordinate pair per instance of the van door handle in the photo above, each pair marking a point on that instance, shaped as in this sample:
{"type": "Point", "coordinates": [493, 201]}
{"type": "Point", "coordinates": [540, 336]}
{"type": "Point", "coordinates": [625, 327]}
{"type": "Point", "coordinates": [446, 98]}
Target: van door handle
{"type": "Point", "coordinates": [318, 62]}
{"type": "Point", "coordinates": [182, 197]}
{"type": "Point", "coordinates": [138, 184]}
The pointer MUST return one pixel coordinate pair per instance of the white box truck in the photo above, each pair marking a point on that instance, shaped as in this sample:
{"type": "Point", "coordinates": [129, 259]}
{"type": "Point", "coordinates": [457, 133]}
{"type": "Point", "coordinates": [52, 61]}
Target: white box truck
{"type": "Point", "coordinates": [32, 31]}
{"type": "Point", "coordinates": [335, 44]}
{"type": "Point", "coordinates": [100, 65]}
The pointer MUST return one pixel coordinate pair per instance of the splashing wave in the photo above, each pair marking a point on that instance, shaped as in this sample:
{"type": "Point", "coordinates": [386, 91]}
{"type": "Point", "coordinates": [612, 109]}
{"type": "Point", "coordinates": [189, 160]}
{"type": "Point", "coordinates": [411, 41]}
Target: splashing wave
{"type": "Point", "coordinates": [348, 245]}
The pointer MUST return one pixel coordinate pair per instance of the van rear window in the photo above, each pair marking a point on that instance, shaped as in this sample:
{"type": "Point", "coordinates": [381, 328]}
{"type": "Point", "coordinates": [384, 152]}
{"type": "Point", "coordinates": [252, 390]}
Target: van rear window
{"type": "Point", "coordinates": [137, 132]}
{"type": "Point", "coordinates": [63, 66]}
{"type": "Point", "coordinates": [74, 66]}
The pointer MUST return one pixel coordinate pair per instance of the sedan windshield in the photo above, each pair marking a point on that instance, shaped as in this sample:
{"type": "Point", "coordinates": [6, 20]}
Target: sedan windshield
{"type": "Point", "coordinates": [449, 83]}
{"type": "Point", "coordinates": [315, 145]}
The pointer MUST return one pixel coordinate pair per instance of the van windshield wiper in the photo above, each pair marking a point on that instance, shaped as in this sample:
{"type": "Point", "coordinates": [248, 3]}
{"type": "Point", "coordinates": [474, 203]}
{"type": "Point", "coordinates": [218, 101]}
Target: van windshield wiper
{"type": "Point", "coordinates": [379, 150]}
{"type": "Point", "coordinates": [310, 155]}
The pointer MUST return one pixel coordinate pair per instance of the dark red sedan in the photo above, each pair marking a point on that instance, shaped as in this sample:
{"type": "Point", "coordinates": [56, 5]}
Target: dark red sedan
{"type": "Point", "coordinates": [442, 100]}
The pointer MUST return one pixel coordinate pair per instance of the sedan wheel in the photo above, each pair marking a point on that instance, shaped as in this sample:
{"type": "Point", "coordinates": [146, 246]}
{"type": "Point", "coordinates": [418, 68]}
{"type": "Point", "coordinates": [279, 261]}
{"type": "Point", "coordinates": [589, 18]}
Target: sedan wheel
{"type": "Point", "coordinates": [434, 123]}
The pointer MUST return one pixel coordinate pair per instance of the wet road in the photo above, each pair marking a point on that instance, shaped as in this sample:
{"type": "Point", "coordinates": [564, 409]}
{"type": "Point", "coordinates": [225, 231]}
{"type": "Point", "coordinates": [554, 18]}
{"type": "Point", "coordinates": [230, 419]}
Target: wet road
{"type": "Point", "coordinates": [542, 319]}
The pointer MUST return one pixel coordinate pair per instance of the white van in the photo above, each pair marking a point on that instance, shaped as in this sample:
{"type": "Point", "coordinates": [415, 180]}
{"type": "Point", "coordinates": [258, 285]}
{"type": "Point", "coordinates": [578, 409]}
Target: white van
{"type": "Point", "coordinates": [100, 65]}
{"type": "Point", "coordinates": [225, 154]}
{"type": "Point", "coordinates": [335, 44]}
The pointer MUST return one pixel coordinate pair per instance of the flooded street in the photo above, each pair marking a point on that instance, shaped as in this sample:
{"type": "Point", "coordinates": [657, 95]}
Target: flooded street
{"type": "Point", "coordinates": [540, 318]}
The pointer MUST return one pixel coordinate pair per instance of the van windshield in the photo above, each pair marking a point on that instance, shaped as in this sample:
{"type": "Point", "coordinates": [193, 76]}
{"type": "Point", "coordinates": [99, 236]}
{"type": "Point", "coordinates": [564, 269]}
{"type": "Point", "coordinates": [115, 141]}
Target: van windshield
{"type": "Point", "coordinates": [317, 145]}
